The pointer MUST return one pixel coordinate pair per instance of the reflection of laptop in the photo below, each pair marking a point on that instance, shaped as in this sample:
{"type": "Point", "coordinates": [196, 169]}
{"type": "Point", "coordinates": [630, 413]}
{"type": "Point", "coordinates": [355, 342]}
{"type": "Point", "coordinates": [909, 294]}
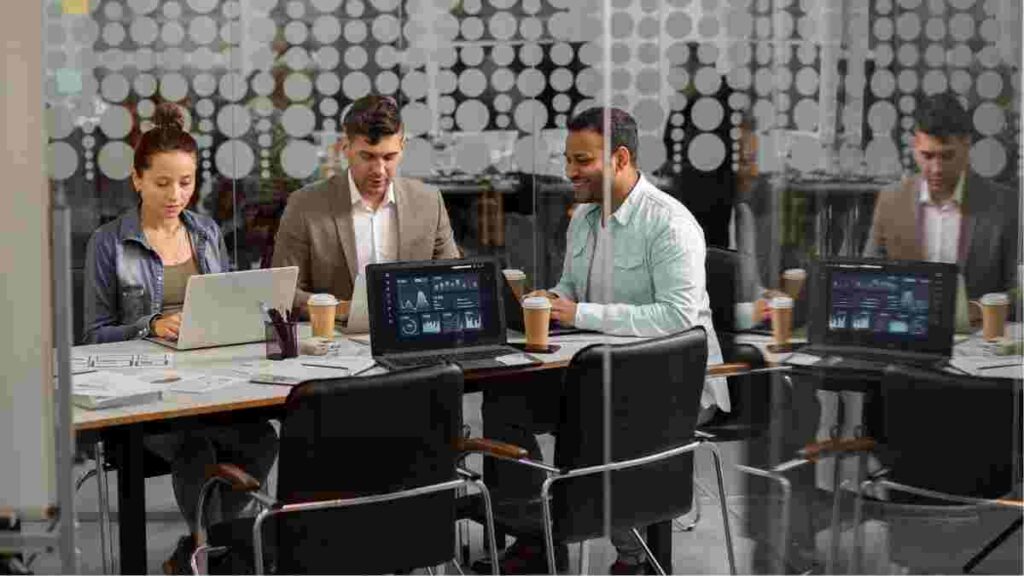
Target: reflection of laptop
{"type": "Point", "coordinates": [514, 314]}
{"type": "Point", "coordinates": [224, 308]}
{"type": "Point", "coordinates": [870, 313]}
{"type": "Point", "coordinates": [358, 321]}
{"type": "Point", "coordinates": [437, 311]}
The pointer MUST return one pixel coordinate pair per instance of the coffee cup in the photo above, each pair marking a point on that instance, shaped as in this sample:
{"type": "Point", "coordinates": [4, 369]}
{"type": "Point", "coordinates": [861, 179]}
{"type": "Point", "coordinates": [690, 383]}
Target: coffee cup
{"type": "Point", "coordinates": [322, 310]}
{"type": "Point", "coordinates": [536, 316]}
{"type": "Point", "coordinates": [793, 281]}
{"type": "Point", "coordinates": [517, 281]}
{"type": "Point", "coordinates": [994, 308]}
{"type": "Point", "coordinates": [782, 319]}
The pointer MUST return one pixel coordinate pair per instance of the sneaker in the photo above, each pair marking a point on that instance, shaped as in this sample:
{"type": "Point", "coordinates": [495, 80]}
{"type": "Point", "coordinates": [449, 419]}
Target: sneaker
{"type": "Point", "coordinates": [180, 561]}
{"type": "Point", "coordinates": [620, 567]}
{"type": "Point", "coordinates": [525, 556]}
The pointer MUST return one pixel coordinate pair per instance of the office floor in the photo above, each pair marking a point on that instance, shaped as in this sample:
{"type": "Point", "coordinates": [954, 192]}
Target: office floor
{"type": "Point", "coordinates": [928, 546]}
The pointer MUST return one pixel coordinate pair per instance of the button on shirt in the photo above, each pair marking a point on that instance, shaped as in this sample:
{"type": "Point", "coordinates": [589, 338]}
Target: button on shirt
{"type": "Point", "coordinates": [376, 231]}
{"type": "Point", "coordinates": [940, 224]}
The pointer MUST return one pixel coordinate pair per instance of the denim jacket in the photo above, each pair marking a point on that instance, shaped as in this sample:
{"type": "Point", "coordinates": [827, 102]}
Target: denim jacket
{"type": "Point", "coordinates": [124, 277]}
{"type": "Point", "coordinates": [658, 283]}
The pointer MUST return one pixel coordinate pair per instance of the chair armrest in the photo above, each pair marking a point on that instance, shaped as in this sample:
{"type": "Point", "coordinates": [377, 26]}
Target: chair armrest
{"type": "Point", "coordinates": [812, 452]}
{"type": "Point", "coordinates": [492, 447]}
{"type": "Point", "coordinates": [728, 369]}
{"type": "Point", "coordinates": [239, 480]}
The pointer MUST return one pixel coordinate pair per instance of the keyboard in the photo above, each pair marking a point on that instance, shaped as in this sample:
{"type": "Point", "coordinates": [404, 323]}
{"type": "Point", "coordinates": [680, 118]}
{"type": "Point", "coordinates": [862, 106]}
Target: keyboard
{"type": "Point", "coordinates": [440, 358]}
{"type": "Point", "coordinates": [867, 359]}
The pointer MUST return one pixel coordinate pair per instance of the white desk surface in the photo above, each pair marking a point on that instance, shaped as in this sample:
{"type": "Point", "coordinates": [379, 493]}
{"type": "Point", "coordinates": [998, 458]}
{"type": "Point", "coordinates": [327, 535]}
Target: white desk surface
{"type": "Point", "coordinates": [242, 360]}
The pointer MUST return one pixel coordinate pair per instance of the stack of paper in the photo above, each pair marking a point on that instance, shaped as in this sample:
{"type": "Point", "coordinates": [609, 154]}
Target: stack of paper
{"type": "Point", "coordinates": [109, 389]}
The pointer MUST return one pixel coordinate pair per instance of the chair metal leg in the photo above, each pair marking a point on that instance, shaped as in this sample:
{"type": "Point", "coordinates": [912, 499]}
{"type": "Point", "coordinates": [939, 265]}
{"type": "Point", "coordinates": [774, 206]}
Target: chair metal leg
{"type": "Point", "coordinates": [858, 527]}
{"type": "Point", "coordinates": [257, 541]}
{"type": "Point", "coordinates": [647, 550]}
{"type": "Point", "coordinates": [833, 546]}
{"type": "Point", "coordinates": [106, 539]}
{"type": "Point", "coordinates": [784, 515]}
{"type": "Point", "coordinates": [549, 537]}
{"type": "Point", "coordinates": [430, 571]}
{"type": "Point", "coordinates": [458, 566]}
{"type": "Point", "coordinates": [992, 545]}
{"type": "Point", "coordinates": [489, 513]}
{"type": "Point", "coordinates": [584, 557]}
{"type": "Point", "coordinates": [722, 503]}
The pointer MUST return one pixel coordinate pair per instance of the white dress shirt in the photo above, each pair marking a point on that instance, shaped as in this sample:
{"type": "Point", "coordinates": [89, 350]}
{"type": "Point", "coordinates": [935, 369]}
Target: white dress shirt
{"type": "Point", "coordinates": [376, 230]}
{"type": "Point", "coordinates": [940, 224]}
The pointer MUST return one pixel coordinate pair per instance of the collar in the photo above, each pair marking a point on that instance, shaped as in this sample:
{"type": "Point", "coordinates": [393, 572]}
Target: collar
{"type": "Point", "coordinates": [958, 192]}
{"type": "Point", "coordinates": [131, 226]}
{"type": "Point", "coordinates": [629, 205]}
{"type": "Point", "coordinates": [358, 198]}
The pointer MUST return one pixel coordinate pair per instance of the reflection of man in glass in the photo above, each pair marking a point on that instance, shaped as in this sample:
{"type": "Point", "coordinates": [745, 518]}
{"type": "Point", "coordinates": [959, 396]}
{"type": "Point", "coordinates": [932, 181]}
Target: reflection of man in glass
{"type": "Point", "coordinates": [333, 228]}
{"type": "Point", "coordinates": [656, 287]}
{"type": "Point", "coordinates": [946, 213]}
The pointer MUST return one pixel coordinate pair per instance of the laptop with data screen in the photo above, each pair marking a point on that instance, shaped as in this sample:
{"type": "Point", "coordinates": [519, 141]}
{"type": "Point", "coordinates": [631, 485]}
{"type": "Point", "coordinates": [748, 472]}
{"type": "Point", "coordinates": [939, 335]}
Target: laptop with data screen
{"type": "Point", "coordinates": [436, 311]}
{"type": "Point", "coordinates": [224, 308]}
{"type": "Point", "coordinates": [880, 310]}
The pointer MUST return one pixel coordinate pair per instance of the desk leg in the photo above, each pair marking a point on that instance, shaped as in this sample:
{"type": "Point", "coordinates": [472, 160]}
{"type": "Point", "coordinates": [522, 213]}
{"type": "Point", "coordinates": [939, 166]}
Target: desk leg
{"type": "Point", "coordinates": [131, 501]}
{"type": "Point", "coordinates": [659, 538]}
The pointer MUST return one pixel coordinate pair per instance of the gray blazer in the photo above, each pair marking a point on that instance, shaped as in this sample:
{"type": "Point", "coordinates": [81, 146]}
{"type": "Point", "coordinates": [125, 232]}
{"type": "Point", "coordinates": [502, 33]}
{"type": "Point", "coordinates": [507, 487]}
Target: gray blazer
{"type": "Point", "coordinates": [991, 226]}
{"type": "Point", "coordinates": [316, 233]}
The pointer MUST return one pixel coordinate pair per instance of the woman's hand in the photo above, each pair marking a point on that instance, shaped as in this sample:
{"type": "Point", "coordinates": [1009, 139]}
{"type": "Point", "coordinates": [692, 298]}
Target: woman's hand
{"type": "Point", "coordinates": [166, 326]}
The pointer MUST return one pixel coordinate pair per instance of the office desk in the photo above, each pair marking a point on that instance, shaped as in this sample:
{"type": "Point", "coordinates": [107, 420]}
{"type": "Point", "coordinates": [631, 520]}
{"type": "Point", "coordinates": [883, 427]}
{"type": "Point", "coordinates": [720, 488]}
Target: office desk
{"type": "Point", "coordinates": [122, 429]}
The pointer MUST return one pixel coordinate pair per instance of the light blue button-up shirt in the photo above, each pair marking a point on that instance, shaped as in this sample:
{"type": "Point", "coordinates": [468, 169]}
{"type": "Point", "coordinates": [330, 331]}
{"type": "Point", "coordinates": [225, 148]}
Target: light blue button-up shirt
{"type": "Point", "coordinates": [658, 280]}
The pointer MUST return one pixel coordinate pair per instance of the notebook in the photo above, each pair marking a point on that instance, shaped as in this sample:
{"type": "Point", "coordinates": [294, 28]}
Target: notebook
{"type": "Point", "coordinates": [439, 311]}
{"type": "Point", "coordinates": [867, 313]}
{"type": "Point", "coordinates": [358, 321]}
{"type": "Point", "coordinates": [224, 308]}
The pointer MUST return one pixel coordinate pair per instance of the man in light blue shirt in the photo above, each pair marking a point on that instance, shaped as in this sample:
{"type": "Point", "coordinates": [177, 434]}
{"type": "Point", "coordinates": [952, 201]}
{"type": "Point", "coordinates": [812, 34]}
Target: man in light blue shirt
{"type": "Point", "coordinates": [638, 272]}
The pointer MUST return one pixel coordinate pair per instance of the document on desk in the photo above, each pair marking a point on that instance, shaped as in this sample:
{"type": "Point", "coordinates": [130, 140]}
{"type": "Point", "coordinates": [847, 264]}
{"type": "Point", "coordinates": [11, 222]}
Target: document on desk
{"type": "Point", "coordinates": [990, 366]}
{"type": "Point", "coordinates": [103, 389]}
{"type": "Point", "coordinates": [100, 361]}
{"type": "Point", "coordinates": [201, 383]}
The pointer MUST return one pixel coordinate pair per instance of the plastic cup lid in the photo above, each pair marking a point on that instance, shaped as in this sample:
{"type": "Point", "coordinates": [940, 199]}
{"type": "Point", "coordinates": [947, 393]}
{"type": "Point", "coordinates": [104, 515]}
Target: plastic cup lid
{"type": "Point", "coordinates": [321, 300]}
{"type": "Point", "coordinates": [513, 274]}
{"type": "Point", "coordinates": [536, 302]}
{"type": "Point", "coordinates": [995, 299]}
{"type": "Point", "coordinates": [794, 273]}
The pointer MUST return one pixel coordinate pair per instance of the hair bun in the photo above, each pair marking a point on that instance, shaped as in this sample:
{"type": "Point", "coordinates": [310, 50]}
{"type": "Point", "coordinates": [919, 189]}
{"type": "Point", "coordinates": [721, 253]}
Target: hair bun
{"type": "Point", "coordinates": [169, 116]}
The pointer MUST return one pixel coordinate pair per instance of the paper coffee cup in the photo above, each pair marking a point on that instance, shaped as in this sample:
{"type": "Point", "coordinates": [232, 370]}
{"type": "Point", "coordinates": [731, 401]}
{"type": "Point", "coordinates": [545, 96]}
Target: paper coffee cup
{"type": "Point", "coordinates": [322, 310]}
{"type": "Point", "coordinates": [994, 308]}
{"type": "Point", "coordinates": [517, 280]}
{"type": "Point", "coordinates": [782, 319]}
{"type": "Point", "coordinates": [793, 281]}
{"type": "Point", "coordinates": [536, 316]}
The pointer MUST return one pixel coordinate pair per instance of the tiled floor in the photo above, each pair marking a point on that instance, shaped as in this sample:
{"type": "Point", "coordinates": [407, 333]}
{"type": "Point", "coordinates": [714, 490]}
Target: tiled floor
{"type": "Point", "coordinates": [890, 546]}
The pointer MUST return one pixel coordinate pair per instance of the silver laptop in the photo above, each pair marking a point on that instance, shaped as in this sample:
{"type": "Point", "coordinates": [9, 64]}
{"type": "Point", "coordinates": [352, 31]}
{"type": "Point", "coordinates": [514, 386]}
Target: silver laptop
{"type": "Point", "coordinates": [222, 309]}
{"type": "Point", "coordinates": [358, 317]}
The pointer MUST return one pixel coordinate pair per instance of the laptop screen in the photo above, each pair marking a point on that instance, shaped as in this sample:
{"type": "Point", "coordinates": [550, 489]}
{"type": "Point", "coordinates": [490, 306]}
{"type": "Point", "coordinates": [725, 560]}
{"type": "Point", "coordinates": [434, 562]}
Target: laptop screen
{"type": "Point", "coordinates": [430, 305]}
{"type": "Point", "coordinates": [894, 305]}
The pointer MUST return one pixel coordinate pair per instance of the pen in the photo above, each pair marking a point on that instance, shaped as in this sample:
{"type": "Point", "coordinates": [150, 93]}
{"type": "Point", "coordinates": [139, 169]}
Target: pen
{"type": "Point", "coordinates": [994, 366]}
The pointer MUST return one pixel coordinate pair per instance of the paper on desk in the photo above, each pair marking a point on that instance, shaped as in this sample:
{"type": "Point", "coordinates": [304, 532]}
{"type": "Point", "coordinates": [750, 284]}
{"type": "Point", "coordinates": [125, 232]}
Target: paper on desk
{"type": "Point", "coordinates": [104, 383]}
{"type": "Point", "coordinates": [200, 383]}
{"type": "Point", "coordinates": [800, 359]}
{"type": "Point", "coordinates": [515, 359]}
{"type": "Point", "coordinates": [989, 366]}
{"type": "Point", "coordinates": [154, 360]}
{"type": "Point", "coordinates": [353, 364]}
{"type": "Point", "coordinates": [113, 360]}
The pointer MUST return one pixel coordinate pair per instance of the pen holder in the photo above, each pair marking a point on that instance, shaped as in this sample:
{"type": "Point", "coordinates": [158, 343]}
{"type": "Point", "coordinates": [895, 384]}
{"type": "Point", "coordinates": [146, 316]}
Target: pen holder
{"type": "Point", "coordinates": [282, 340]}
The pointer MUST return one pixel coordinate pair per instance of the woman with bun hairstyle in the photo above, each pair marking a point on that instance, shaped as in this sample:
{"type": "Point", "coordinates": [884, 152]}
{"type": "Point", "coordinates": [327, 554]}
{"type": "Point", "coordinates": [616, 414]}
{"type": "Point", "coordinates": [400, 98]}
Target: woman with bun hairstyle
{"type": "Point", "coordinates": [137, 267]}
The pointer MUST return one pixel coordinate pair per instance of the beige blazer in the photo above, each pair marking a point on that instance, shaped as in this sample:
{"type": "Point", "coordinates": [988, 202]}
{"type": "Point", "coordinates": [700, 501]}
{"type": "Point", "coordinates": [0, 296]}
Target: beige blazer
{"type": "Point", "coordinates": [316, 233]}
{"type": "Point", "coordinates": [988, 234]}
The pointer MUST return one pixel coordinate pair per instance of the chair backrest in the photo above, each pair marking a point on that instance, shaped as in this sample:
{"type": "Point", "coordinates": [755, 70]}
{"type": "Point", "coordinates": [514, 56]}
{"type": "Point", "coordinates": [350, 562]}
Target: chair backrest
{"type": "Point", "coordinates": [655, 398]}
{"type": "Point", "coordinates": [723, 269]}
{"type": "Point", "coordinates": [352, 437]}
{"type": "Point", "coordinates": [948, 433]}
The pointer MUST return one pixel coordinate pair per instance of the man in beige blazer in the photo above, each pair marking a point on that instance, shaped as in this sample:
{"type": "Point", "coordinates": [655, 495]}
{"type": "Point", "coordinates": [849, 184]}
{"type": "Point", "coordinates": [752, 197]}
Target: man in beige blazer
{"type": "Point", "coordinates": [333, 228]}
{"type": "Point", "coordinates": [946, 213]}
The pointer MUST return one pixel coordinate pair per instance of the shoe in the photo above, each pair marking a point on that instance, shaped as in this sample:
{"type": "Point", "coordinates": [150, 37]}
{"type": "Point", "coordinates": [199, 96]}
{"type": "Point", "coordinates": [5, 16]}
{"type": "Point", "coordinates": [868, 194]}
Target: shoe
{"type": "Point", "coordinates": [180, 561]}
{"type": "Point", "coordinates": [525, 556]}
{"type": "Point", "coordinates": [620, 567]}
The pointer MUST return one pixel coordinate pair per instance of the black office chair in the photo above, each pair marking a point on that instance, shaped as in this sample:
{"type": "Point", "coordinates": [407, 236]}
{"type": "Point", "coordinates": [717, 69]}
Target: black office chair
{"type": "Point", "coordinates": [655, 397]}
{"type": "Point", "coordinates": [948, 443]}
{"type": "Point", "coordinates": [366, 479]}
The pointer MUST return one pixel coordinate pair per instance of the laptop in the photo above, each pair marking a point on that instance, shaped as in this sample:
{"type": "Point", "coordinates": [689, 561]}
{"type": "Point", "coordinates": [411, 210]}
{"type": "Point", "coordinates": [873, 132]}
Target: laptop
{"type": "Point", "coordinates": [358, 321]}
{"type": "Point", "coordinates": [439, 311]}
{"type": "Point", "coordinates": [869, 313]}
{"type": "Point", "coordinates": [514, 314]}
{"type": "Point", "coordinates": [224, 308]}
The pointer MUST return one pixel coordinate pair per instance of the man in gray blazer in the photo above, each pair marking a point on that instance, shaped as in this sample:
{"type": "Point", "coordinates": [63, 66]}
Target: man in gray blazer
{"type": "Point", "coordinates": [333, 228]}
{"type": "Point", "coordinates": [946, 213]}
